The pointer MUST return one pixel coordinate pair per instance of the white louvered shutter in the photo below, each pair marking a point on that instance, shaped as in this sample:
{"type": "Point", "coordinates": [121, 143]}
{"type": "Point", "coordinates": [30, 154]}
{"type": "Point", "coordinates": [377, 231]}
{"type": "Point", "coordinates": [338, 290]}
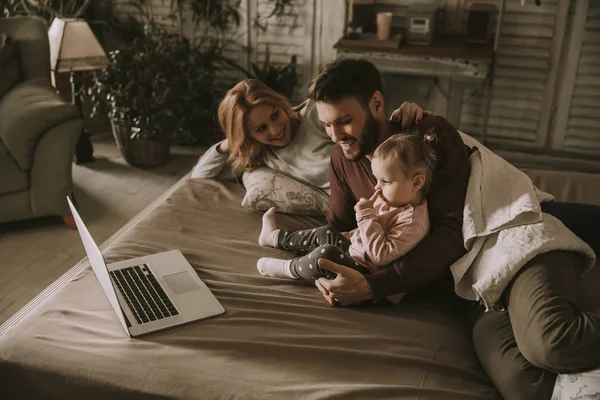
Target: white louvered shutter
{"type": "Point", "coordinates": [522, 68]}
{"type": "Point", "coordinates": [583, 125]}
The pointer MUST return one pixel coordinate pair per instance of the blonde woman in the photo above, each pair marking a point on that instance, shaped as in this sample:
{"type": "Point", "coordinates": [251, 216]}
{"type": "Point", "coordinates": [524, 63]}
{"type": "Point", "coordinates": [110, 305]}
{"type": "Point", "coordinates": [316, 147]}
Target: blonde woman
{"type": "Point", "coordinates": [263, 129]}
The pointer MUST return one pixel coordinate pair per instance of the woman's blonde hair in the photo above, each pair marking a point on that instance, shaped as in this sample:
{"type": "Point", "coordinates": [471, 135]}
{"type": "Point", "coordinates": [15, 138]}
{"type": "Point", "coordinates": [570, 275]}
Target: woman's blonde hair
{"type": "Point", "coordinates": [235, 106]}
{"type": "Point", "coordinates": [414, 149]}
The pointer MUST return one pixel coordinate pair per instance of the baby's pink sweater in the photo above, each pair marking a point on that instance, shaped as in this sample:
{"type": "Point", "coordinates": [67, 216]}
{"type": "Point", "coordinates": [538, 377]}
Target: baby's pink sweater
{"type": "Point", "coordinates": [386, 233]}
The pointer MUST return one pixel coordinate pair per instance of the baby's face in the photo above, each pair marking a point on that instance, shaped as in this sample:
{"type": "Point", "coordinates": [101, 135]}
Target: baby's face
{"type": "Point", "coordinates": [269, 125]}
{"type": "Point", "coordinates": [396, 188]}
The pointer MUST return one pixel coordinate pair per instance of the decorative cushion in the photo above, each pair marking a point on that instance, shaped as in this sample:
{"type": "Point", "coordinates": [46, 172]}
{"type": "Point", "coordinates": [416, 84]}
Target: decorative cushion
{"type": "Point", "coordinates": [582, 386]}
{"type": "Point", "coordinates": [10, 70]}
{"type": "Point", "coordinates": [266, 188]}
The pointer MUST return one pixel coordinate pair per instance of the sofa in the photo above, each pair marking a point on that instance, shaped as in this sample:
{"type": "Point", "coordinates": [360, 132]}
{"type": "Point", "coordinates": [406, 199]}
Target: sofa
{"type": "Point", "coordinates": [277, 339]}
{"type": "Point", "coordinates": [38, 128]}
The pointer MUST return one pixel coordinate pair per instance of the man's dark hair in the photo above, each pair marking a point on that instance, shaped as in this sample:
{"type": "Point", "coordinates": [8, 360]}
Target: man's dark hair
{"type": "Point", "coordinates": [346, 77]}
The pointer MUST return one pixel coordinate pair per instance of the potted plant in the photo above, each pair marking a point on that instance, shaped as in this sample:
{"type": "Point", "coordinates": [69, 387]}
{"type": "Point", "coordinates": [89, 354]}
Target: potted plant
{"type": "Point", "coordinates": [282, 79]}
{"type": "Point", "coordinates": [160, 85]}
{"type": "Point", "coordinates": [158, 90]}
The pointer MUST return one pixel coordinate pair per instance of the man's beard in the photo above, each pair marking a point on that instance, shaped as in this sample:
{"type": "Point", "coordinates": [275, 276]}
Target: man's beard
{"type": "Point", "coordinates": [367, 142]}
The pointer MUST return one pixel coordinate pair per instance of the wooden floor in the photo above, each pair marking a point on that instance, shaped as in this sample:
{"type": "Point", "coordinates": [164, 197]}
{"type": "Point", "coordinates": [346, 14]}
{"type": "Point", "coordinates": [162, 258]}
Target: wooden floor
{"type": "Point", "coordinates": [109, 193]}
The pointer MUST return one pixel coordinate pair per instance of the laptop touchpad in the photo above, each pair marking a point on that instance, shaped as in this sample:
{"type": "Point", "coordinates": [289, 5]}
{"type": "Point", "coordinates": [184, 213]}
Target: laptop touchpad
{"type": "Point", "coordinates": [181, 282]}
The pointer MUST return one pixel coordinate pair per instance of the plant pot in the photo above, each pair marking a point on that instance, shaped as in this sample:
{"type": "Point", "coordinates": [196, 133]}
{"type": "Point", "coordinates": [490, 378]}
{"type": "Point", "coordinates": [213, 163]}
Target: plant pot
{"type": "Point", "coordinates": [143, 153]}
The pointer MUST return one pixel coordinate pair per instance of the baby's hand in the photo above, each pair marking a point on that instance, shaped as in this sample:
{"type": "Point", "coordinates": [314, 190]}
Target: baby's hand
{"type": "Point", "coordinates": [363, 203]}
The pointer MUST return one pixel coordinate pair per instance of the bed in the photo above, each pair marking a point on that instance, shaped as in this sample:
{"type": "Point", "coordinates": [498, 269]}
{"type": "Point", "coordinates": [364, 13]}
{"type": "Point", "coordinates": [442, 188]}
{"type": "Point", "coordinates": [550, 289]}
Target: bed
{"type": "Point", "coordinates": [278, 339]}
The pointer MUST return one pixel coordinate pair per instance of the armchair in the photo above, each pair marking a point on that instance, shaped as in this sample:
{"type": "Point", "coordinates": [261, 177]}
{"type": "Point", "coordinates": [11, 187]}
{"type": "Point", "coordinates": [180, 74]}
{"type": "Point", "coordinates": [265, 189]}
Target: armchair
{"type": "Point", "coordinates": [38, 128]}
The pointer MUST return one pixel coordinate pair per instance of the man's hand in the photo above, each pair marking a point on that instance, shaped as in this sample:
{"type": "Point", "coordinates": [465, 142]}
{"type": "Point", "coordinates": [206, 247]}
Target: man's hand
{"type": "Point", "coordinates": [409, 113]}
{"type": "Point", "coordinates": [364, 203]}
{"type": "Point", "coordinates": [348, 287]}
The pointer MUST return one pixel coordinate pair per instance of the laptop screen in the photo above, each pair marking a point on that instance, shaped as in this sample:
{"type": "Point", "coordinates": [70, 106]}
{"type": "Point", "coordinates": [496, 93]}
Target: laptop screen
{"type": "Point", "coordinates": [98, 264]}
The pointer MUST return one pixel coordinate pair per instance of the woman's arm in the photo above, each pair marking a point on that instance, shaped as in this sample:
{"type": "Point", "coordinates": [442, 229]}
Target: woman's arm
{"type": "Point", "coordinates": [215, 163]}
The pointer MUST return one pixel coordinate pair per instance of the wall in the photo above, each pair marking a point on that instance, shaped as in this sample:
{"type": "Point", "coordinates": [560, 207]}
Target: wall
{"type": "Point", "coordinates": [545, 90]}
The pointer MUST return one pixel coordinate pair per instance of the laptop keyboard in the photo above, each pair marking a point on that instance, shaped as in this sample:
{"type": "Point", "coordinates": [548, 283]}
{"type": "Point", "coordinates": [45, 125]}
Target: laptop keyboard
{"type": "Point", "coordinates": [145, 297]}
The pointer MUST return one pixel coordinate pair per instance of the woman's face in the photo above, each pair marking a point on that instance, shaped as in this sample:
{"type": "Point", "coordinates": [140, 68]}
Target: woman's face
{"type": "Point", "coordinates": [269, 125]}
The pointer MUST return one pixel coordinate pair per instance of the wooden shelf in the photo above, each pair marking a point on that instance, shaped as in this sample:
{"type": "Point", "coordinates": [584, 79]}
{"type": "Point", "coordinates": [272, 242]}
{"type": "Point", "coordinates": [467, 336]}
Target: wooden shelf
{"type": "Point", "coordinates": [442, 47]}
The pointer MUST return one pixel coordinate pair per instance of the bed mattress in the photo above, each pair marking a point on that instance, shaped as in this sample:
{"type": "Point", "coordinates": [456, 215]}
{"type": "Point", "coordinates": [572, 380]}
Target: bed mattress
{"type": "Point", "coordinates": [278, 338]}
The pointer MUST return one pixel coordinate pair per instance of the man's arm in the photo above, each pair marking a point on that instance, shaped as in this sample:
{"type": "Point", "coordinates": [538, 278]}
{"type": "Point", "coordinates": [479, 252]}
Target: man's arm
{"type": "Point", "coordinates": [352, 287]}
{"type": "Point", "coordinates": [341, 201]}
{"type": "Point", "coordinates": [427, 262]}
{"type": "Point", "coordinates": [431, 258]}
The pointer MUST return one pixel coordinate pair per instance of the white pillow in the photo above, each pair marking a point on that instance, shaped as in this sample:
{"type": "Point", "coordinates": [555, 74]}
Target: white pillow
{"type": "Point", "coordinates": [266, 188]}
{"type": "Point", "coordinates": [585, 385]}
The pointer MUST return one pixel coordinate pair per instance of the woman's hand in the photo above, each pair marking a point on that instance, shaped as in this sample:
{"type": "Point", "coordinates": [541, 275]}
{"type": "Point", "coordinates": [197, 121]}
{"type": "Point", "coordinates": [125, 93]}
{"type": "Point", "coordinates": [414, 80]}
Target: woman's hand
{"type": "Point", "coordinates": [223, 147]}
{"type": "Point", "coordinates": [364, 203]}
{"type": "Point", "coordinates": [409, 113]}
{"type": "Point", "coordinates": [348, 287]}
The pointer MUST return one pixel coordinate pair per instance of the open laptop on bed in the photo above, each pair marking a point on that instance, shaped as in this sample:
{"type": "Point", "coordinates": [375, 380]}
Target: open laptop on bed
{"type": "Point", "coordinates": [150, 293]}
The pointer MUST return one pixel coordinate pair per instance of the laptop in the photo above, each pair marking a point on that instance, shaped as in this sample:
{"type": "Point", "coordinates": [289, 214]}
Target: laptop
{"type": "Point", "coordinates": [150, 293]}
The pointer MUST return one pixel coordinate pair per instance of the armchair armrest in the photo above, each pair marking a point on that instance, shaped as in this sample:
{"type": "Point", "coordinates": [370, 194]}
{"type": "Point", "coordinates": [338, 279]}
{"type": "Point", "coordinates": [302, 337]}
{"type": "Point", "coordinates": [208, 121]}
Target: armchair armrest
{"type": "Point", "coordinates": [26, 113]}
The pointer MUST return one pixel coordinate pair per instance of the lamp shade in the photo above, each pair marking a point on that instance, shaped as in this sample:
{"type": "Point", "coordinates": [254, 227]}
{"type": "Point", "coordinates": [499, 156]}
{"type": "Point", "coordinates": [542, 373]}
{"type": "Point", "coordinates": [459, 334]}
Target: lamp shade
{"type": "Point", "coordinates": [74, 47]}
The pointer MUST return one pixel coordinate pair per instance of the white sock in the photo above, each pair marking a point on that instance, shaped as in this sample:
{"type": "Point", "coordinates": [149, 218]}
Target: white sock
{"type": "Point", "coordinates": [275, 267]}
{"type": "Point", "coordinates": [269, 232]}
